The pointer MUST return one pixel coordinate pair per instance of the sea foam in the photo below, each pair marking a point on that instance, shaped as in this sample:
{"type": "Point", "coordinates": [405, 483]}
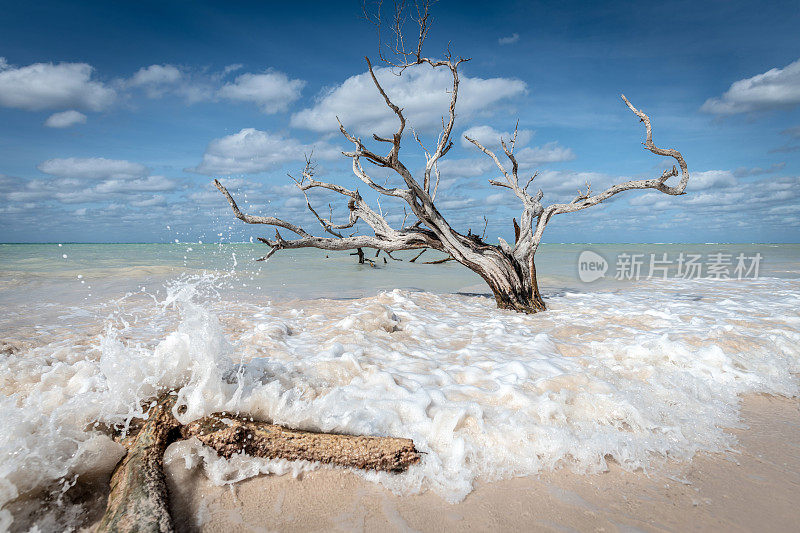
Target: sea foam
{"type": "Point", "coordinates": [637, 377]}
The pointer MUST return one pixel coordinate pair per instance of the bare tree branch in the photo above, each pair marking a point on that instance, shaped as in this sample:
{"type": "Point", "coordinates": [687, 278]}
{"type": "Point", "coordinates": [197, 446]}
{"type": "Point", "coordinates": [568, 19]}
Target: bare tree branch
{"type": "Point", "coordinates": [509, 270]}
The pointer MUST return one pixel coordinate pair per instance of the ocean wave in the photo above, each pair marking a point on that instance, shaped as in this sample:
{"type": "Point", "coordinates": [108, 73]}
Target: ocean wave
{"type": "Point", "coordinates": [635, 376]}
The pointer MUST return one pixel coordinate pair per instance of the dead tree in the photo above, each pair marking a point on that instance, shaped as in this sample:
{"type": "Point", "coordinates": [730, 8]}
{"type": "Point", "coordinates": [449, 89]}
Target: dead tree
{"type": "Point", "coordinates": [509, 270]}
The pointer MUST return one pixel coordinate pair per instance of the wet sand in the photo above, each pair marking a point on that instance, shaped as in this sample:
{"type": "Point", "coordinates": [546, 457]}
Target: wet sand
{"type": "Point", "coordinates": [757, 488]}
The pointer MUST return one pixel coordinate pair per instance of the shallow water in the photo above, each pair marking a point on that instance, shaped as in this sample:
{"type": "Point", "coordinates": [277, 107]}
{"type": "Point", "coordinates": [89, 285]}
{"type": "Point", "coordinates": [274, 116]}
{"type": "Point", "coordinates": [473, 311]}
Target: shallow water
{"type": "Point", "coordinates": [635, 372]}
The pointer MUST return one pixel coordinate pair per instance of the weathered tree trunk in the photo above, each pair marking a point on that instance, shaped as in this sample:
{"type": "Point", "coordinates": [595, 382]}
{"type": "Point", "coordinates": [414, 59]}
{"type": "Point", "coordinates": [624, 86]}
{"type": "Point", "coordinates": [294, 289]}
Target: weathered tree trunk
{"type": "Point", "coordinates": [514, 286]}
{"type": "Point", "coordinates": [139, 501]}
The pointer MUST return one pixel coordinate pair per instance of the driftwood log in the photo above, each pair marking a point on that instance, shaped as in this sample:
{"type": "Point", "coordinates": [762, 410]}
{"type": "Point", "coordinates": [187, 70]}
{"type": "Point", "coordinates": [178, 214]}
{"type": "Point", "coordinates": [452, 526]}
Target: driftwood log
{"type": "Point", "coordinates": [231, 436]}
{"type": "Point", "coordinates": [139, 500]}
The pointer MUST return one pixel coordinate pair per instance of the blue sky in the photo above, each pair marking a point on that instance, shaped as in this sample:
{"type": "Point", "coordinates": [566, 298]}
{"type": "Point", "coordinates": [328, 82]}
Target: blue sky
{"type": "Point", "coordinates": [115, 117]}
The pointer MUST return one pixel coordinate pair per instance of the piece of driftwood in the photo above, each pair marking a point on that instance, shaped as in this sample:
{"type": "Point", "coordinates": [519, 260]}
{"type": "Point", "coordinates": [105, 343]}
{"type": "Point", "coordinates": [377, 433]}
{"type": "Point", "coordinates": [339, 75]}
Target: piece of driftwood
{"type": "Point", "coordinates": [139, 501]}
{"type": "Point", "coordinates": [229, 436]}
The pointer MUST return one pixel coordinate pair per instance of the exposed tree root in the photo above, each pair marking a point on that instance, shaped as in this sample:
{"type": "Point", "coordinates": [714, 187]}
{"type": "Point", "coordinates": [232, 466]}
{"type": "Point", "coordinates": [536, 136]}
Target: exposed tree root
{"type": "Point", "coordinates": [139, 501]}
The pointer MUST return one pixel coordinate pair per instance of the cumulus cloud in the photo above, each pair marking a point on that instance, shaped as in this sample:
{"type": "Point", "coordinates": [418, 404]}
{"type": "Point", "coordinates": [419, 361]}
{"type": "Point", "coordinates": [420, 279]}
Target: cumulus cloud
{"type": "Point", "coordinates": [776, 88]}
{"type": "Point", "coordinates": [511, 39]}
{"type": "Point", "coordinates": [230, 68]}
{"type": "Point", "coordinates": [765, 197]}
{"type": "Point", "coordinates": [156, 79]}
{"type": "Point", "coordinates": [81, 191]}
{"type": "Point", "coordinates": [465, 168]}
{"type": "Point", "coordinates": [53, 86]}
{"type": "Point", "coordinates": [272, 91]}
{"type": "Point", "coordinates": [148, 184]}
{"type": "Point", "coordinates": [490, 137]}
{"type": "Point", "coordinates": [763, 194]}
{"type": "Point", "coordinates": [252, 151]}
{"type": "Point", "coordinates": [93, 168]}
{"type": "Point", "coordinates": [699, 181]}
{"type": "Point", "coordinates": [156, 75]}
{"type": "Point", "coordinates": [551, 152]}
{"type": "Point", "coordinates": [558, 182]}
{"type": "Point", "coordinates": [421, 91]}
{"type": "Point", "coordinates": [65, 119]}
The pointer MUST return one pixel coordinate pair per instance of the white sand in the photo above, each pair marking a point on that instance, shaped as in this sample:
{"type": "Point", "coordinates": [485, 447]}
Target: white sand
{"type": "Point", "coordinates": [757, 489]}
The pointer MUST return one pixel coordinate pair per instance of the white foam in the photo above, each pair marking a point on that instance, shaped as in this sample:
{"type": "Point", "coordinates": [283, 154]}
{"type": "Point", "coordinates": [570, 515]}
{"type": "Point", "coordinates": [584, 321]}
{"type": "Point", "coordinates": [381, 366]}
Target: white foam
{"type": "Point", "coordinates": [636, 376]}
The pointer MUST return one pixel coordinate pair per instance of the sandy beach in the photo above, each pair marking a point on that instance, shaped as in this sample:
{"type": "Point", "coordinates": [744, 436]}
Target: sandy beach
{"type": "Point", "coordinates": [608, 412]}
{"type": "Point", "coordinates": [745, 490]}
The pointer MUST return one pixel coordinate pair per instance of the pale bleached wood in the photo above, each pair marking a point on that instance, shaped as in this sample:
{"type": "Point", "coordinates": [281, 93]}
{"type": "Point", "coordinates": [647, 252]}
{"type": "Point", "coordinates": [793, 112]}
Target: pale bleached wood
{"type": "Point", "coordinates": [139, 500]}
{"type": "Point", "coordinates": [509, 270]}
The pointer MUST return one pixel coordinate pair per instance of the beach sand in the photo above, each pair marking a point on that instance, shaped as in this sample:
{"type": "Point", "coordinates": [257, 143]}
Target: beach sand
{"type": "Point", "coordinates": [757, 488]}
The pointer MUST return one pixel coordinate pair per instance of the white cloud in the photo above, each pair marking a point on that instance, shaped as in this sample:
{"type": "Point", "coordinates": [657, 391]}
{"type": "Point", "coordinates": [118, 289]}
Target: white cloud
{"type": "Point", "coordinates": [551, 152]}
{"type": "Point", "coordinates": [775, 88]}
{"type": "Point", "coordinates": [160, 80]}
{"type": "Point", "coordinates": [763, 196]}
{"type": "Point", "coordinates": [272, 91]}
{"type": "Point", "coordinates": [557, 182]}
{"type": "Point", "coordinates": [465, 168]}
{"type": "Point", "coordinates": [496, 198]}
{"type": "Point", "coordinates": [156, 79]}
{"type": "Point", "coordinates": [252, 150]}
{"type": "Point", "coordinates": [421, 91]}
{"type": "Point", "coordinates": [511, 39]}
{"type": "Point", "coordinates": [93, 168]}
{"type": "Point", "coordinates": [148, 184]}
{"type": "Point", "coordinates": [453, 204]}
{"type": "Point", "coordinates": [490, 137]}
{"type": "Point", "coordinates": [699, 181]}
{"type": "Point", "coordinates": [53, 86]}
{"type": "Point", "coordinates": [156, 75]}
{"type": "Point", "coordinates": [82, 190]}
{"type": "Point", "coordinates": [65, 119]}
{"type": "Point", "coordinates": [231, 68]}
